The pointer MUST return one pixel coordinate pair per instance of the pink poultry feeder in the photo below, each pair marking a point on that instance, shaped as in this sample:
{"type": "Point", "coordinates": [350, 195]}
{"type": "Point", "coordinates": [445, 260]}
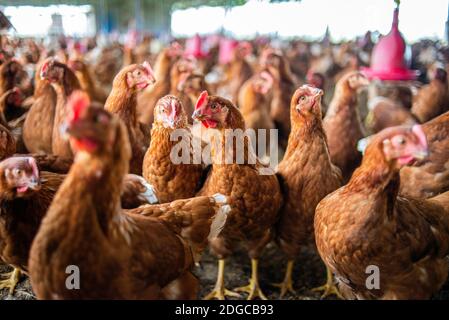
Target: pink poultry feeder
{"type": "Point", "coordinates": [387, 62]}
{"type": "Point", "coordinates": [227, 47]}
{"type": "Point", "coordinates": [194, 48]}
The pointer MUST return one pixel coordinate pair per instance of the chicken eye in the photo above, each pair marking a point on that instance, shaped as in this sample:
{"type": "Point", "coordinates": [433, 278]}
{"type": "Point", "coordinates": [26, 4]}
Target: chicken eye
{"type": "Point", "coordinates": [138, 73]}
{"type": "Point", "coordinates": [400, 140]}
{"type": "Point", "coordinates": [100, 118]}
{"type": "Point", "coordinates": [213, 106]}
{"type": "Point", "coordinates": [302, 98]}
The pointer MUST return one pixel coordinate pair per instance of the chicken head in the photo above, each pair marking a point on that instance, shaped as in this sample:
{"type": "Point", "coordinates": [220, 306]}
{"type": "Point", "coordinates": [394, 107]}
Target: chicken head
{"type": "Point", "coordinates": [263, 82]}
{"type": "Point", "coordinates": [405, 146]}
{"type": "Point", "coordinates": [88, 124]}
{"type": "Point", "coordinates": [316, 79]}
{"type": "Point", "coordinates": [217, 113]}
{"type": "Point", "coordinates": [52, 70]}
{"type": "Point", "coordinates": [306, 101]}
{"type": "Point", "coordinates": [356, 80]}
{"type": "Point", "coordinates": [19, 177]}
{"type": "Point", "coordinates": [182, 69]}
{"type": "Point", "coordinates": [169, 113]}
{"type": "Point", "coordinates": [140, 76]}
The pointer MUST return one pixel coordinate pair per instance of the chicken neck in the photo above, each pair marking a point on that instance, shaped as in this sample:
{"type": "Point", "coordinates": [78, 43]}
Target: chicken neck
{"type": "Point", "coordinates": [307, 139]}
{"type": "Point", "coordinates": [87, 82]}
{"type": "Point", "coordinates": [344, 103]}
{"type": "Point", "coordinates": [162, 68]}
{"type": "Point", "coordinates": [60, 145]}
{"type": "Point", "coordinates": [63, 89]}
{"type": "Point", "coordinates": [122, 101]}
{"type": "Point", "coordinates": [254, 102]}
{"type": "Point", "coordinates": [377, 179]}
{"type": "Point", "coordinates": [101, 175]}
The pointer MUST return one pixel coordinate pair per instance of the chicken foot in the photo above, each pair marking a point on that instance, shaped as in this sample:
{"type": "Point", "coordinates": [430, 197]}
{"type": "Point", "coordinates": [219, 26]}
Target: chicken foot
{"type": "Point", "coordinates": [10, 281]}
{"type": "Point", "coordinates": [220, 292]}
{"type": "Point", "coordinates": [253, 288]}
{"type": "Point", "coordinates": [329, 288]}
{"type": "Point", "coordinates": [287, 284]}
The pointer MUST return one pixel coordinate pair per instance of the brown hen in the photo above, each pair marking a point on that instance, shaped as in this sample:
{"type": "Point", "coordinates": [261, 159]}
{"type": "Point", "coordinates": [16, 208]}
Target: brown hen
{"type": "Point", "coordinates": [123, 101]}
{"type": "Point", "coordinates": [25, 195]}
{"type": "Point", "coordinates": [342, 123]}
{"type": "Point", "coordinates": [431, 176]}
{"type": "Point", "coordinates": [254, 103]}
{"type": "Point", "coordinates": [365, 231]}
{"type": "Point", "coordinates": [283, 88]}
{"type": "Point", "coordinates": [143, 254]}
{"type": "Point", "coordinates": [171, 180]}
{"type": "Point", "coordinates": [64, 82]}
{"type": "Point", "coordinates": [146, 100]}
{"type": "Point", "coordinates": [253, 193]}
{"type": "Point", "coordinates": [39, 121]}
{"type": "Point", "coordinates": [307, 176]}
{"type": "Point", "coordinates": [432, 99]}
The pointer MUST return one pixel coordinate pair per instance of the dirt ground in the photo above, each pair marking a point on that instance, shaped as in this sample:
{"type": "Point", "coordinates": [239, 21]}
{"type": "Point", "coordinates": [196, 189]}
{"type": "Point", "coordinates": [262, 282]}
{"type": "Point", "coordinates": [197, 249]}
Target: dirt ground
{"type": "Point", "coordinates": [309, 273]}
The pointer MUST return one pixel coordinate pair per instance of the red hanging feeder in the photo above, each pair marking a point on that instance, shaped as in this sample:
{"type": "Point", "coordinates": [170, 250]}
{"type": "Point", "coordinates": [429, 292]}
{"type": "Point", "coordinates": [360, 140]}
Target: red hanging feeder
{"type": "Point", "coordinates": [387, 62]}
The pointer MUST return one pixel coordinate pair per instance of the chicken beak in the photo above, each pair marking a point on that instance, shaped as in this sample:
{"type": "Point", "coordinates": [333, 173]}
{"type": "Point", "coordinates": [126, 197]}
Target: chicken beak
{"type": "Point", "coordinates": [43, 75]}
{"type": "Point", "coordinates": [365, 82]}
{"type": "Point", "coordinates": [34, 183]}
{"type": "Point", "coordinates": [197, 115]}
{"type": "Point", "coordinates": [28, 183]}
{"type": "Point", "coordinates": [421, 154]}
{"type": "Point", "coordinates": [318, 93]}
{"type": "Point", "coordinates": [151, 80]}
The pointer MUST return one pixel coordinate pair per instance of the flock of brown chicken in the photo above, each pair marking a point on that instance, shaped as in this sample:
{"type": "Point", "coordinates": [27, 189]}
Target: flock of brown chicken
{"type": "Point", "coordinates": [87, 180]}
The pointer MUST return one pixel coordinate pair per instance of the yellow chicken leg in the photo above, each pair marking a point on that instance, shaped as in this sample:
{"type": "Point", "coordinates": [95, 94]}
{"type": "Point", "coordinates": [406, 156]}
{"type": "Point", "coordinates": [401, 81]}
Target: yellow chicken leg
{"type": "Point", "coordinates": [12, 278]}
{"type": "Point", "coordinates": [220, 292]}
{"type": "Point", "coordinates": [329, 287]}
{"type": "Point", "coordinates": [287, 284]}
{"type": "Point", "coordinates": [253, 288]}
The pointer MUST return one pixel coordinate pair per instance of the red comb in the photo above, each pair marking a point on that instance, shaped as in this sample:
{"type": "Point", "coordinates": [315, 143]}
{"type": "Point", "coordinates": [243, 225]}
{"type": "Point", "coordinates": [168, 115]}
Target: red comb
{"type": "Point", "coordinates": [419, 132]}
{"type": "Point", "coordinates": [147, 67]}
{"type": "Point", "coordinates": [44, 68]}
{"type": "Point", "coordinates": [78, 102]}
{"type": "Point", "coordinates": [174, 108]}
{"type": "Point", "coordinates": [33, 164]}
{"type": "Point", "coordinates": [201, 99]}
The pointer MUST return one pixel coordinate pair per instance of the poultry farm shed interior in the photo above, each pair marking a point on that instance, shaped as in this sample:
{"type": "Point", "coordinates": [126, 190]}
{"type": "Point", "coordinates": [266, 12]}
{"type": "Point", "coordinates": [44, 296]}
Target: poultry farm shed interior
{"type": "Point", "coordinates": [226, 149]}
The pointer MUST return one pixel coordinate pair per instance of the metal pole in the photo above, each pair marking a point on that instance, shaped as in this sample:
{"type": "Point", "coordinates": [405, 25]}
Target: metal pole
{"type": "Point", "coordinates": [138, 14]}
{"type": "Point", "coordinates": [447, 24]}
